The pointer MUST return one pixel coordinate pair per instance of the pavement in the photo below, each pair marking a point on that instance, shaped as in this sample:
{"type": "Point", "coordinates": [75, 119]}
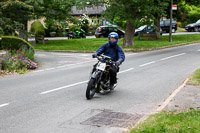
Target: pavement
{"type": "Point", "coordinates": [187, 98]}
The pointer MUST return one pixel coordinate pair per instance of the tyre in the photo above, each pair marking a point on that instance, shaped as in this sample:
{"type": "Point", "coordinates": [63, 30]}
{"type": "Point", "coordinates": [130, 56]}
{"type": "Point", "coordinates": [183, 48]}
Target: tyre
{"type": "Point", "coordinates": [101, 36]}
{"type": "Point", "coordinates": [173, 30]}
{"type": "Point", "coordinates": [91, 88]}
{"type": "Point", "coordinates": [196, 29]}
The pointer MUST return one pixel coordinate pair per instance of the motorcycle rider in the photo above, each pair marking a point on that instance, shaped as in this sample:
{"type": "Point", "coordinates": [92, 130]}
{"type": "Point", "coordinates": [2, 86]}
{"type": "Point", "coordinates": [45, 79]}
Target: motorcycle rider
{"type": "Point", "coordinates": [113, 50]}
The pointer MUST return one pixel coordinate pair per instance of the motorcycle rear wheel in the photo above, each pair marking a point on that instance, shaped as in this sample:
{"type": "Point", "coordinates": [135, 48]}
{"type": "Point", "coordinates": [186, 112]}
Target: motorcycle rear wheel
{"type": "Point", "coordinates": [91, 88]}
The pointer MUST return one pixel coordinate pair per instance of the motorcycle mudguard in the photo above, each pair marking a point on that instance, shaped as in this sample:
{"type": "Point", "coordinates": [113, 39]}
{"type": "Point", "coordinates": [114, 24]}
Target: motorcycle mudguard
{"type": "Point", "coordinates": [95, 74]}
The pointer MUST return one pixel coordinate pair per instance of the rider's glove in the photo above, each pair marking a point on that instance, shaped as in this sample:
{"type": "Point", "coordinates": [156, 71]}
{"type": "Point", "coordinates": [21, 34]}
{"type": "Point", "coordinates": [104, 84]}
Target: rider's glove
{"type": "Point", "coordinates": [94, 55]}
{"type": "Point", "coordinates": [117, 63]}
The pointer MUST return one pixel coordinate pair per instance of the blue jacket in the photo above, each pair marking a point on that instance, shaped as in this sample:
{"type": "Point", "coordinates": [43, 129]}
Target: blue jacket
{"type": "Point", "coordinates": [115, 52]}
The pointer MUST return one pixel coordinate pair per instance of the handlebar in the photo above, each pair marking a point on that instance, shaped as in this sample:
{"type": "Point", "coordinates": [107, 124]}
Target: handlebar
{"type": "Point", "coordinates": [104, 58]}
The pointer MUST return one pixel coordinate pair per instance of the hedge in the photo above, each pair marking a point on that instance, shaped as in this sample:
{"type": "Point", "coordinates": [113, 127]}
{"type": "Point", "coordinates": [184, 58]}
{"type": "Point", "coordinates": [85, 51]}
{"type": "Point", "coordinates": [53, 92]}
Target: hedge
{"type": "Point", "coordinates": [14, 43]}
{"type": "Point", "coordinates": [37, 28]}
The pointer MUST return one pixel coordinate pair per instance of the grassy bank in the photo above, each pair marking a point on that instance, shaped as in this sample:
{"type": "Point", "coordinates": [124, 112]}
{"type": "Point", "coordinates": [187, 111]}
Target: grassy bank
{"type": "Point", "coordinates": [171, 122]}
{"type": "Point", "coordinates": [194, 79]}
{"type": "Point", "coordinates": [93, 44]}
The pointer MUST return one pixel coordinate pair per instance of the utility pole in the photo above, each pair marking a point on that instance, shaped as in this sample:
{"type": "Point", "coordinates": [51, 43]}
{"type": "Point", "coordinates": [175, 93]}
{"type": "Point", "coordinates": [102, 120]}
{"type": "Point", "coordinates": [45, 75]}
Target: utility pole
{"type": "Point", "coordinates": [170, 29]}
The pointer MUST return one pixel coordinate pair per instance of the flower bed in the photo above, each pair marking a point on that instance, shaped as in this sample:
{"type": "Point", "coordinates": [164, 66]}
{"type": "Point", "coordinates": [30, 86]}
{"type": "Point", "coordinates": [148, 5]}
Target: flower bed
{"type": "Point", "coordinates": [19, 61]}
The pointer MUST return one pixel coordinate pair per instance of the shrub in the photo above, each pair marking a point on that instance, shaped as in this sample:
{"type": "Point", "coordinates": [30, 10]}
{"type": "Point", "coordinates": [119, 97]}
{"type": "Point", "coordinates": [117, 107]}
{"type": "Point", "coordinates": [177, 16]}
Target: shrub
{"type": "Point", "coordinates": [13, 43]}
{"type": "Point", "coordinates": [179, 24]}
{"type": "Point", "coordinates": [191, 18]}
{"type": "Point", "coordinates": [74, 28]}
{"type": "Point", "coordinates": [37, 28]}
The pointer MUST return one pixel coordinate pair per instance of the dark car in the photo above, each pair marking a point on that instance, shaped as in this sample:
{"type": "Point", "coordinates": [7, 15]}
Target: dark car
{"type": "Point", "coordinates": [145, 29]}
{"type": "Point", "coordinates": [193, 27]}
{"type": "Point", "coordinates": [165, 25]}
{"type": "Point", "coordinates": [104, 31]}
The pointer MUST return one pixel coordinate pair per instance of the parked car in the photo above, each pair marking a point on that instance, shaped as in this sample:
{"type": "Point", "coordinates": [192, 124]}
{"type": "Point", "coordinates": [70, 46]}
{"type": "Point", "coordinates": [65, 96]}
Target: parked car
{"type": "Point", "coordinates": [145, 29]}
{"type": "Point", "coordinates": [193, 27]}
{"type": "Point", "coordinates": [104, 31]}
{"type": "Point", "coordinates": [165, 25]}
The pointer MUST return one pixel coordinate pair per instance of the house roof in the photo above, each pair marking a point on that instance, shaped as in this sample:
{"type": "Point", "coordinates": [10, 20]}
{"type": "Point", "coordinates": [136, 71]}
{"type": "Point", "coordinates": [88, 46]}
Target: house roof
{"type": "Point", "coordinates": [94, 10]}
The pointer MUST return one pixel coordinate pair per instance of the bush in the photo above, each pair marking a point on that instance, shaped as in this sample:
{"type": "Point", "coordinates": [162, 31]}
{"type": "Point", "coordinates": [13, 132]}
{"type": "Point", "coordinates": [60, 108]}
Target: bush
{"type": "Point", "coordinates": [37, 28]}
{"type": "Point", "coordinates": [179, 24]}
{"type": "Point", "coordinates": [13, 43]}
{"type": "Point", "coordinates": [191, 18]}
{"type": "Point", "coordinates": [74, 28]}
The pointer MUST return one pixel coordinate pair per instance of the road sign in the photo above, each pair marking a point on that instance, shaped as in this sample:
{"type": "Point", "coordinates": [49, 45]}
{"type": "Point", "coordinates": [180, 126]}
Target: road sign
{"type": "Point", "coordinates": [174, 7]}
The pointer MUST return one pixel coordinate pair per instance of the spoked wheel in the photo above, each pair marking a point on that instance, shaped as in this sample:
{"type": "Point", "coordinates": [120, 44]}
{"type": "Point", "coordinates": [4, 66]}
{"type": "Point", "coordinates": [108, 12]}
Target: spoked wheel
{"type": "Point", "coordinates": [91, 88]}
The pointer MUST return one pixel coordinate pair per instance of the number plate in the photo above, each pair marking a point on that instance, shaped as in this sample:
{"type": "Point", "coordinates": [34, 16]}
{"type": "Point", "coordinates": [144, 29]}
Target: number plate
{"type": "Point", "coordinates": [101, 66]}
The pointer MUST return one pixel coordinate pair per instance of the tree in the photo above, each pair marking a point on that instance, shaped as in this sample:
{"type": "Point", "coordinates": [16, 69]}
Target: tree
{"type": "Point", "coordinates": [158, 11]}
{"type": "Point", "coordinates": [131, 11]}
{"type": "Point", "coordinates": [14, 14]}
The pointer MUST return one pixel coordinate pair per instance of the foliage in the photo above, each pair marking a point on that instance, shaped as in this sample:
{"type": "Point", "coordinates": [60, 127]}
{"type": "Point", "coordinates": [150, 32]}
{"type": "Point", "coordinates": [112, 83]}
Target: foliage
{"type": "Point", "coordinates": [55, 26]}
{"type": "Point", "coordinates": [56, 9]}
{"type": "Point", "coordinates": [74, 28]}
{"type": "Point", "coordinates": [14, 14]}
{"type": "Point", "coordinates": [188, 11]}
{"type": "Point", "coordinates": [13, 43]}
{"type": "Point", "coordinates": [18, 61]}
{"type": "Point", "coordinates": [37, 28]}
{"type": "Point", "coordinates": [84, 22]}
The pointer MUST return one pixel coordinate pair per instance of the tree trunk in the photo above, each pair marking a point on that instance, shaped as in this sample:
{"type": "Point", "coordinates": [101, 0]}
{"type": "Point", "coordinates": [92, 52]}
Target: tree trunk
{"type": "Point", "coordinates": [157, 24]}
{"type": "Point", "coordinates": [129, 35]}
{"type": "Point", "coordinates": [23, 32]}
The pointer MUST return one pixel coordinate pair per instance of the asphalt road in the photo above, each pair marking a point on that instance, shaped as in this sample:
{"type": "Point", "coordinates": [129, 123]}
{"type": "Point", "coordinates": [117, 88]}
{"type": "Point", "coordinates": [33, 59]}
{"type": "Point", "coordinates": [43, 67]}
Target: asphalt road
{"type": "Point", "coordinates": [52, 99]}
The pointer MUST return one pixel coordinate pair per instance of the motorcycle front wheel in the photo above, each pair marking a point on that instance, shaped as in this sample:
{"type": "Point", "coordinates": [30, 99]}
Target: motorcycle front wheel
{"type": "Point", "coordinates": [91, 88]}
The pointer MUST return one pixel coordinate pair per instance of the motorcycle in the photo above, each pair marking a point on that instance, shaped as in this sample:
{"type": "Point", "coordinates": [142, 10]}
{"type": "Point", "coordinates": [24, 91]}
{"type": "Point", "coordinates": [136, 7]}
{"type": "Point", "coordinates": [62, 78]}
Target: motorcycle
{"type": "Point", "coordinates": [100, 76]}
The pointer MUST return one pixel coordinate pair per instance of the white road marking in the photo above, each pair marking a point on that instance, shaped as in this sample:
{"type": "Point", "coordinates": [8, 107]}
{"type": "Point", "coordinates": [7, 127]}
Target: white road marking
{"type": "Point", "coordinates": [172, 56]}
{"type": "Point", "coordinates": [60, 88]}
{"type": "Point", "coordinates": [148, 63]}
{"type": "Point", "coordinates": [3, 105]}
{"type": "Point", "coordinates": [71, 85]}
{"type": "Point", "coordinates": [126, 70]}
{"type": "Point", "coordinates": [162, 59]}
{"type": "Point", "coordinates": [129, 54]}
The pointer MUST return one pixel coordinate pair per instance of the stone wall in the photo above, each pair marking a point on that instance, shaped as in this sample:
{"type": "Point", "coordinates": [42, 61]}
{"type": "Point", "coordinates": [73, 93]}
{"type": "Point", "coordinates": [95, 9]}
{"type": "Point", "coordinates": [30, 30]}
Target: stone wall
{"type": "Point", "coordinates": [2, 55]}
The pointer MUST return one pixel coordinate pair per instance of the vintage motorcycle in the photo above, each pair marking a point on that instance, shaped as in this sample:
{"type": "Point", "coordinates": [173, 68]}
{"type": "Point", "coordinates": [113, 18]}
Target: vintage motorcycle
{"type": "Point", "coordinates": [100, 76]}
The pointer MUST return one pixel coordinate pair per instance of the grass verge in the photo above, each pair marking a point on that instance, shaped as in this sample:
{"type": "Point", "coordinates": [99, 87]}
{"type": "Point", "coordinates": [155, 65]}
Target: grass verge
{"type": "Point", "coordinates": [171, 122]}
{"type": "Point", "coordinates": [194, 79]}
{"type": "Point", "coordinates": [139, 45]}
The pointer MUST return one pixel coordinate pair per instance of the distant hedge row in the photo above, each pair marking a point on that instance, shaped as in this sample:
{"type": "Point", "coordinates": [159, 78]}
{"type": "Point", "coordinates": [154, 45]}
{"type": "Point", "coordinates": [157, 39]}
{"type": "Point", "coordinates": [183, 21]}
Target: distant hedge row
{"type": "Point", "coordinates": [14, 43]}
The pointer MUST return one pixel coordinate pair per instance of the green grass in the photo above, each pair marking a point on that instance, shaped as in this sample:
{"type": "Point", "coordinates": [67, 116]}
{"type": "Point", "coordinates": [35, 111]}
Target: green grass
{"type": "Point", "coordinates": [171, 122]}
{"type": "Point", "coordinates": [194, 79]}
{"type": "Point", "coordinates": [139, 45]}
{"type": "Point", "coordinates": [73, 44]}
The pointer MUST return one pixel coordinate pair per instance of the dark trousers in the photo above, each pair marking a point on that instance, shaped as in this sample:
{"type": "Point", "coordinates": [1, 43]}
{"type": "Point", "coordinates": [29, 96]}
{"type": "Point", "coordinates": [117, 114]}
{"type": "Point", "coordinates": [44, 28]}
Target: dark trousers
{"type": "Point", "coordinates": [113, 73]}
